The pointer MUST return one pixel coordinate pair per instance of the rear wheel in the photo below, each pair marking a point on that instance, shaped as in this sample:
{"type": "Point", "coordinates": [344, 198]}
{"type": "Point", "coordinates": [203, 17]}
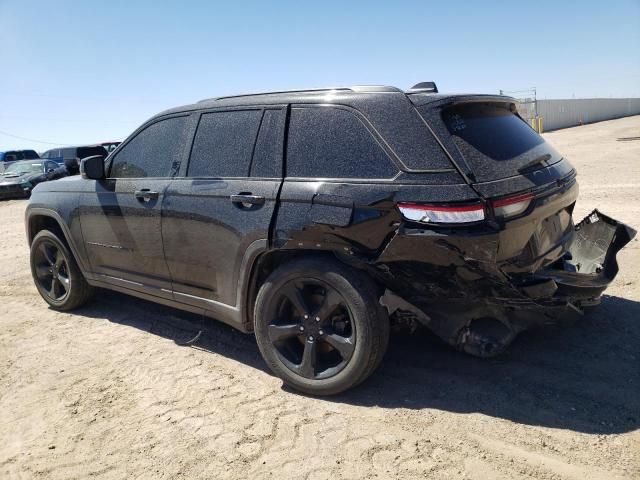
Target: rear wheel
{"type": "Point", "coordinates": [319, 325]}
{"type": "Point", "coordinates": [56, 273]}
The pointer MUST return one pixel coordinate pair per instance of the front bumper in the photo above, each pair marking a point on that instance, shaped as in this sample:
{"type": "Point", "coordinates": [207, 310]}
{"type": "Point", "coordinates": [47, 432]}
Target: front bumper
{"type": "Point", "coordinates": [472, 302]}
{"type": "Point", "coordinates": [14, 190]}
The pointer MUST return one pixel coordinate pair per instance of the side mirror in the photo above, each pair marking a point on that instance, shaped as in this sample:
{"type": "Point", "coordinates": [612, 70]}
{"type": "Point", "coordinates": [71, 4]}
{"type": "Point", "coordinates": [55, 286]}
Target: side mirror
{"type": "Point", "coordinates": [49, 170]}
{"type": "Point", "coordinates": [92, 167]}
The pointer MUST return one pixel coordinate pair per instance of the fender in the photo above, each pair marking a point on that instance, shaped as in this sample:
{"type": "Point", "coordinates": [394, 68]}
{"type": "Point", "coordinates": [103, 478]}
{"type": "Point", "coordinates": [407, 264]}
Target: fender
{"type": "Point", "coordinates": [45, 212]}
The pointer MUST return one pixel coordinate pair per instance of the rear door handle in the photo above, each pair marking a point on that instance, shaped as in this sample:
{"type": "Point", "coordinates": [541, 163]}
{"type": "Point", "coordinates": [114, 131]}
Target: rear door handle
{"type": "Point", "coordinates": [146, 194]}
{"type": "Point", "coordinates": [247, 198]}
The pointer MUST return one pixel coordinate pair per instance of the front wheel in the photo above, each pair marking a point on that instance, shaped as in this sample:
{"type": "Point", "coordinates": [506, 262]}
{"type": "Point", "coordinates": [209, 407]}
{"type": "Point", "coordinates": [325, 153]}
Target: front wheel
{"type": "Point", "coordinates": [319, 325]}
{"type": "Point", "coordinates": [56, 274]}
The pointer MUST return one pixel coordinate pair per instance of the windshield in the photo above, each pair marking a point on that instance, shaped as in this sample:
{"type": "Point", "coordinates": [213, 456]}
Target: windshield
{"type": "Point", "coordinates": [24, 167]}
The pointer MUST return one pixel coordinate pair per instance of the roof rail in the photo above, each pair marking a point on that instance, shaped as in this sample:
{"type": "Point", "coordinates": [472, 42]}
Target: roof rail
{"type": "Point", "coordinates": [355, 88]}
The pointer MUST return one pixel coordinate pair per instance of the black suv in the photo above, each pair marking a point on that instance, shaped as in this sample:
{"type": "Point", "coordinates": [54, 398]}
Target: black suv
{"type": "Point", "coordinates": [66, 154]}
{"type": "Point", "coordinates": [316, 218]}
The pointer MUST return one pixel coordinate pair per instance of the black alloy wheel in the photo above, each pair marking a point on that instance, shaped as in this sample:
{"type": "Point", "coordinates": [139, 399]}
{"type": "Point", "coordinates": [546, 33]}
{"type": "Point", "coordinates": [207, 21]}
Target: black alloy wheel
{"type": "Point", "coordinates": [319, 325]}
{"type": "Point", "coordinates": [52, 271]}
{"type": "Point", "coordinates": [56, 273]}
{"type": "Point", "coordinates": [312, 330]}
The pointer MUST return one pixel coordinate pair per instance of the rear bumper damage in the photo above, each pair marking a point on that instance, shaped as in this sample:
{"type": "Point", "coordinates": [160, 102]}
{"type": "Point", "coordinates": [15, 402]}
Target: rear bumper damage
{"type": "Point", "coordinates": [455, 285]}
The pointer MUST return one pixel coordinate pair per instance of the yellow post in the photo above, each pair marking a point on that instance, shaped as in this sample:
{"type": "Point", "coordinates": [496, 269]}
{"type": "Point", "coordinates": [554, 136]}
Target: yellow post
{"type": "Point", "coordinates": [540, 129]}
{"type": "Point", "coordinates": [534, 124]}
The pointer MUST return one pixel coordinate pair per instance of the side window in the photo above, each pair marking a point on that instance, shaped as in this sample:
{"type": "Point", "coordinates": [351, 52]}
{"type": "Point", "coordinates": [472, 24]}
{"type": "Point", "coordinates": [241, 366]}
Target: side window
{"type": "Point", "coordinates": [156, 151]}
{"type": "Point", "coordinates": [51, 165]}
{"type": "Point", "coordinates": [327, 142]}
{"type": "Point", "coordinates": [224, 143]}
{"type": "Point", "coordinates": [68, 153]}
{"type": "Point", "coordinates": [267, 156]}
{"type": "Point", "coordinates": [30, 155]}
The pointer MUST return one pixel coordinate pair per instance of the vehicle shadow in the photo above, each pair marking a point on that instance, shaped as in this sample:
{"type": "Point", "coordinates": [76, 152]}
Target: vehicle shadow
{"type": "Point", "coordinates": [584, 377]}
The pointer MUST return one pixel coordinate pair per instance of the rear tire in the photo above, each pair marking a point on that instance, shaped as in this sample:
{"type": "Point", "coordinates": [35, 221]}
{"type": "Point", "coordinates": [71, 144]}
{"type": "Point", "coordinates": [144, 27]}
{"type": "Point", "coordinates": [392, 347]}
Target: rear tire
{"type": "Point", "coordinates": [319, 325]}
{"type": "Point", "coordinates": [56, 273]}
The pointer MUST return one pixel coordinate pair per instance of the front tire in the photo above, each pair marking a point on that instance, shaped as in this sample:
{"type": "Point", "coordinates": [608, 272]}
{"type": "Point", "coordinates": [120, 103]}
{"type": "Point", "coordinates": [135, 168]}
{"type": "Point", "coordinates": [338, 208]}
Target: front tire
{"type": "Point", "coordinates": [319, 325]}
{"type": "Point", "coordinates": [56, 273]}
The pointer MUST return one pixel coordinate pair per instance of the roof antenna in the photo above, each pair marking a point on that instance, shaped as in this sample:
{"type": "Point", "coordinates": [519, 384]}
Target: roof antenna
{"type": "Point", "coordinates": [424, 87]}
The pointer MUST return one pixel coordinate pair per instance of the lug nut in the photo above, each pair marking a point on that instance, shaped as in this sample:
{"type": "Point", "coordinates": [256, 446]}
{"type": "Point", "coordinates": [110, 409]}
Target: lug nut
{"type": "Point", "coordinates": [306, 317]}
{"type": "Point", "coordinates": [301, 328]}
{"type": "Point", "coordinates": [311, 338]}
{"type": "Point", "coordinates": [317, 319]}
{"type": "Point", "coordinates": [321, 332]}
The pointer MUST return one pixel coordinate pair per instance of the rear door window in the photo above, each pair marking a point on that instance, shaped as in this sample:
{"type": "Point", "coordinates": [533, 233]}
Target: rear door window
{"type": "Point", "coordinates": [224, 143]}
{"type": "Point", "coordinates": [155, 151]}
{"type": "Point", "coordinates": [327, 142]}
{"type": "Point", "coordinates": [495, 141]}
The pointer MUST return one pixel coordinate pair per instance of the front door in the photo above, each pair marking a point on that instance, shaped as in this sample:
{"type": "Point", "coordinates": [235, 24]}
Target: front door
{"type": "Point", "coordinates": [121, 219]}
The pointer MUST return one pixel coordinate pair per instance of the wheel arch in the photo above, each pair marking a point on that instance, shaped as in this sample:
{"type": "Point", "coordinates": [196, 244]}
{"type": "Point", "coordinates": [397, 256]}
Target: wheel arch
{"type": "Point", "coordinates": [43, 219]}
{"type": "Point", "coordinates": [265, 263]}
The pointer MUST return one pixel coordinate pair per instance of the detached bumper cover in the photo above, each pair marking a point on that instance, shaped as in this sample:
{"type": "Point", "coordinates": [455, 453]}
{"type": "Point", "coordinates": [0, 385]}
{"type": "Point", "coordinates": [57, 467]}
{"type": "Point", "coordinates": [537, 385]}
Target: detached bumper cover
{"type": "Point", "coordinates": [589, 265]}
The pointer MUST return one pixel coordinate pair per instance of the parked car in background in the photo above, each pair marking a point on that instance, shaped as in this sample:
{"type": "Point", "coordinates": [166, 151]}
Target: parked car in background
{"type": "Point", "coordinates": [13, 155]}
{"type": "Point", "coordinates": [315, 218]}
{"type": "Point", "coordinates": [19, 178]}
{"type": "Point", "coordinates": [110, 146]}
{"type": "Point", "coordinates": [59, 155]}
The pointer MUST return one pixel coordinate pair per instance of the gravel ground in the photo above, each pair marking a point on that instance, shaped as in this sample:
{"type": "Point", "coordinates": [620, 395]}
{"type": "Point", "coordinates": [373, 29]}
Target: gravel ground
{"type": "Point", "coordinates": [106, 391]}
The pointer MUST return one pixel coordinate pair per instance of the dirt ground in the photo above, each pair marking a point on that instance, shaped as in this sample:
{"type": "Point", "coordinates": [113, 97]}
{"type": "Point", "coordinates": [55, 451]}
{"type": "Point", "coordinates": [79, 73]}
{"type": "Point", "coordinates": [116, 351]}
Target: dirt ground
{"type": "Point", "coordinates": [106, 391]}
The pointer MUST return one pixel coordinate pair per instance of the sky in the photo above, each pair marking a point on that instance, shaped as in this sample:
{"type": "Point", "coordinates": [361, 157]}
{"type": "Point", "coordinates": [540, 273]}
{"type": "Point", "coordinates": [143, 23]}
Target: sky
{"type": "Point", "coordinates": [78, 72]}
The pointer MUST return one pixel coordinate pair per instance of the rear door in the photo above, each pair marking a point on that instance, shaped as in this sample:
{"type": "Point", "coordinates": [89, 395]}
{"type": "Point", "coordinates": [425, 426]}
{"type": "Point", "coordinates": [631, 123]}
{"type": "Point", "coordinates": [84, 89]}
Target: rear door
{"type": "Point", "coordinates": [121, 218]}
{"type": "Point", "coordinates": [219, 210]}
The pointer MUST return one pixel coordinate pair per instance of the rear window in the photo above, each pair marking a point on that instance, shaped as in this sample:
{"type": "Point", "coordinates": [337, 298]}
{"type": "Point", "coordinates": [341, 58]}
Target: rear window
{"type": "Point", "coordinates": [496, 142]}
{"type": "Point", "coordinates": [326, 142]}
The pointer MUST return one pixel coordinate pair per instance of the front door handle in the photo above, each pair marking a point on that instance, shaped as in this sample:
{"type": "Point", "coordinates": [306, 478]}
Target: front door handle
{"type": "Point", "coordinates": [145, 194]}
{"type": "Point", "coordinates": [244, 198]}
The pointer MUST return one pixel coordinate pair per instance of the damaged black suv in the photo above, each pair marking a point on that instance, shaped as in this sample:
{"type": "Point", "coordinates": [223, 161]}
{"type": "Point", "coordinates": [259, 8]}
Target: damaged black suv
{"type": "Point", "coordinates": [316, 218]}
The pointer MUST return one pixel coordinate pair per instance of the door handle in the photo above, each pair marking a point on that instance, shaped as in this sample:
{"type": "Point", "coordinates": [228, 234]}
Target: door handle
{"type": "Point", "coordinates": [146, 194]}
{"type": "Point", "coordinates": [244, 198]}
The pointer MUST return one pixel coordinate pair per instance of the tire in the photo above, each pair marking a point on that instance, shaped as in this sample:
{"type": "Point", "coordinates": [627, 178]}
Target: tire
{"type": "Point", "coordinates": [345, 335]}
{"type": "Point", "coordinates": [56, 273]}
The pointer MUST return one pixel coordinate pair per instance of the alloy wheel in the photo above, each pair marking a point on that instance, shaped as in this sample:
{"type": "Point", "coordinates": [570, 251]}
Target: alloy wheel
{"type": "Point", "coordinates": [52, 271]}
{"type": "Point", "coordinates": [312, 329]}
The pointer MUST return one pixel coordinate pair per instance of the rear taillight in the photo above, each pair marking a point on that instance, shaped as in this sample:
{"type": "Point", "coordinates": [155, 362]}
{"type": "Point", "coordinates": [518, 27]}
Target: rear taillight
{"type": "Point", "coordinates": [451, 214]}
{"type": "Point", "coordinates": [511, 206]}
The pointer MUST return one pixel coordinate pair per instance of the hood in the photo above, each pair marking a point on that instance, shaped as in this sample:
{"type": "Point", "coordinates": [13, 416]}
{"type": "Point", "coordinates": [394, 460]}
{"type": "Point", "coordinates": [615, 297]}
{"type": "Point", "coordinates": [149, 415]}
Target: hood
{"type": "Point", "coordinates": [11, 178]}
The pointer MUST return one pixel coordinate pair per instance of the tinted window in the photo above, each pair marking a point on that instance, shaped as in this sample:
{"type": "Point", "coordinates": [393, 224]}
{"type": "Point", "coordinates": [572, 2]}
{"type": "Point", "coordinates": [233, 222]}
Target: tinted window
{"type": "Point", "coordinates": [84, 152]}
{"type": "Point", "coordinates": [267, 156]}
{"type": "Point", "coordinates": [30, 154]}
{"type": "Point", "coordinates": [51, 165]}
{"type": "Point", "coordinates": [333, 143]}
{"type": "Point", "coordinates": [224, 144]}
{"type": "Point", "coordinates": [68, 153]}
{"type": "Point", "coordinates": [54, 153]}
{"type": "Point", "coordinates": [154, 152]}
{"type": "Point", "coordinates": [495, 142]}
